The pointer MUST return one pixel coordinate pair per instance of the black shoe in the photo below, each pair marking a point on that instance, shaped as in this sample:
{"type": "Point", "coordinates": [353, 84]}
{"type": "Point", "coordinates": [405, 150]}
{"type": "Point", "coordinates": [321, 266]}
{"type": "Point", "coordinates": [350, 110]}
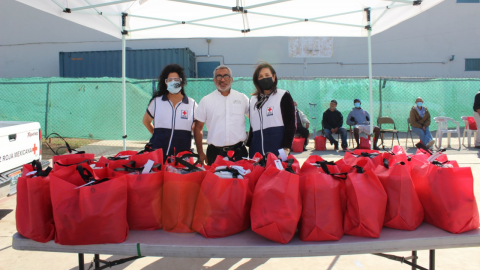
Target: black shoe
{"type": "Point", "coordinates": [335, 146]}
{"type": "Point", "coordinates": [376, 148]}
{"type": "Point", "coordinates": [305, 148]}
{"type": "Point", "coordinates": [478, 147]}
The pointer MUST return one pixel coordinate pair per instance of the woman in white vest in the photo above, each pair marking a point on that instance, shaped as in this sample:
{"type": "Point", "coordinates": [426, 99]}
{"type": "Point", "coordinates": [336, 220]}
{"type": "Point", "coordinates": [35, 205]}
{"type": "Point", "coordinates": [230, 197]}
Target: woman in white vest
{"type": "Point", "coordinates": [272, 114]}
{"type": "Point", "coordinates": [172, 113]}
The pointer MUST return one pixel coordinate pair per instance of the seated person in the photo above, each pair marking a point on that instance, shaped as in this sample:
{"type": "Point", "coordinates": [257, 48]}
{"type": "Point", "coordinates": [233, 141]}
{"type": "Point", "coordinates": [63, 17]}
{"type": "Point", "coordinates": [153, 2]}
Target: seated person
{"type": "Point", "coordinates": [420, 121]}
{"type": "Point", "coordinates": [360, 120]}
{"type": "Point", "coordinates": [302, 125]}
{"type": "Point", "coordinates": [332, 122]}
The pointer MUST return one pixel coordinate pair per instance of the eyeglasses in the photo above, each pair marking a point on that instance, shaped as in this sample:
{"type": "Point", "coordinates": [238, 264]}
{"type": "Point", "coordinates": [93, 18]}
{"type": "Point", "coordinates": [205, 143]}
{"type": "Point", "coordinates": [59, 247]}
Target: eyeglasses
{"type": "Point", "coordinates": [173, 79]}
{"type": "Point", "coordinates": [219, 77]}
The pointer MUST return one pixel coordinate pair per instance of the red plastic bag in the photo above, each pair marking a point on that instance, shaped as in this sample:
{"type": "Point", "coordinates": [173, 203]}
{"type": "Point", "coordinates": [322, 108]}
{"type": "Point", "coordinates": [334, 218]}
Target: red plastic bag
{"type": "Point", "coordinates": [297, 145]}
{"type": "Point", "coordinates": [223, 206]}
{"type": "Point", "coordinates": [276, 205]}
{"type": "Point", "coordinates": [323, 207]}
{"type": "Point", "coordinates": [364, 143]}
{"type": "Point", "coordinates": [366, 204]}
{"type": "Point", "coordinates": [62, 161]}
{"type": "Point", "coordinates": [144, 205]}
{"type": "Point", "coordinates": [404, 210]}
{"type": "Point", "coordinates": [320, 143]}
{"type": "Point", "coordinates": [88, 215]}
{"type": "Point", "coordinates": [142, 157]}
{"type": "Point", "coordinates": [472, 125]}
{"type": "Point", "coordinates": [313, 164]}
{"type": "Point", "coordinates": [397, 150]}
{"type": "Point", "coordinates": [34, 216]}
{"type": "Point", "coordinates": [447, 196]}
{"type": "Point", "coordinates": [180, 193]}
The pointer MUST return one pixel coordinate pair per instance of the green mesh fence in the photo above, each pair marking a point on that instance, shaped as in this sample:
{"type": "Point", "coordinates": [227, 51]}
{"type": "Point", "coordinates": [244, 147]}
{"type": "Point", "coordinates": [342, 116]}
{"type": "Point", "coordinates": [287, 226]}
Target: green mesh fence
{"type": "Point", "coordinates": [91, 108]}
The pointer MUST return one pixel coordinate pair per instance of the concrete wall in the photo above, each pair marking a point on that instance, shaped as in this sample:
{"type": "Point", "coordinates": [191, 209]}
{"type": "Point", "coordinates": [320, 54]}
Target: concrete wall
{"type": "Point", "coordinates": [30, 41]}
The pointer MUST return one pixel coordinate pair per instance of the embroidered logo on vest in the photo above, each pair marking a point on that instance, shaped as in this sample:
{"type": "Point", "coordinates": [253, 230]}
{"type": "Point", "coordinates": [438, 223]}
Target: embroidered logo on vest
{"type": "Point", "coordinates": [184, 114]}
{"type": "Point", "coordinates": [269, 111]}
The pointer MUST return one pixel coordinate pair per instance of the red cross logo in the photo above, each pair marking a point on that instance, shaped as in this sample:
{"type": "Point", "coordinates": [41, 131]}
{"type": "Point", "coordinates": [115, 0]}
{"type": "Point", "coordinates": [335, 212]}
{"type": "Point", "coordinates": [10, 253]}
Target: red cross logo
{"type": "Point", "coordinates": [34, 149]}
{"type": "Point", "coordinates": [269, 111]}
{"type": "Point", "coordinates": [184, 114]}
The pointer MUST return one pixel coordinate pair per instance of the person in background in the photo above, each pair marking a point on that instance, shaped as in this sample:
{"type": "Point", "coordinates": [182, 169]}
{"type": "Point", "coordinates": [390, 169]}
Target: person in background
{"type": "Point", "coordinates": [171, 112]}
{"type": "Point", "coordinates": [302, 125]}
{"type": "Point", "coordinates": [420, 121]}
{"type": "Point", "coordinates": [476, 116]}
{"type": "Point", "coordinates": [272, 114]}
{"type": "Point", "coordinates": [360, 120]}
{"type": "Point", "coordinates": [332, 123]}
{"type": "Point", "coordinates": [224, 112]}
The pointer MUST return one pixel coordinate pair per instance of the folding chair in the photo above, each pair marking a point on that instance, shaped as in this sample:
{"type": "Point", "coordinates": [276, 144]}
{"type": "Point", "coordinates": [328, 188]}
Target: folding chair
{"type": "Point", "coordinates": [409, 130]}
{"type": "Point", "coordinates": [387, 121]}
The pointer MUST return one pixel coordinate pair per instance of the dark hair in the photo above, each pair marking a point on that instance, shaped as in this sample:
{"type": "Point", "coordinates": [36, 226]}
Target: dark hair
{"type": "Point", "coordinates": [162, 86]}
{"type": "Point", "coordinates": [261, 66]}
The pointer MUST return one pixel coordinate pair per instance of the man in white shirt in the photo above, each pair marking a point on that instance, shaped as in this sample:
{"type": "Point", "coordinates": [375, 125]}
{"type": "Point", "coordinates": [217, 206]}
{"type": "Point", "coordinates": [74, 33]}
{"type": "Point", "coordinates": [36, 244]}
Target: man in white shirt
{"type": "Point", "coordinates": [224, 112]}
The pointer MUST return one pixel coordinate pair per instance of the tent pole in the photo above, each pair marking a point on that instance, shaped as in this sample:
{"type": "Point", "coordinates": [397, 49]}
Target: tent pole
{"type": "Point", "coordinates": [370, 81]}
{"type": "Point", "coordinates": [124, 99]}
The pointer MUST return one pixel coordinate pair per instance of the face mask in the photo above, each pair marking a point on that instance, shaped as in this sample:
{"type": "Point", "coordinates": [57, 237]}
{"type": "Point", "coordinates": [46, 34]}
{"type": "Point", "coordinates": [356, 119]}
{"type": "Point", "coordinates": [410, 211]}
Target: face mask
{"type": "Point", "coordinates": [266, 83]}
{"type": "Point", "coordinates": [295, 108]}
{"type": "Point", "coordinates": [357, 105]}
{"type": "Point", "coordinates": [174, 87]}
{"type": "Point", "coordinates": [419, 104]}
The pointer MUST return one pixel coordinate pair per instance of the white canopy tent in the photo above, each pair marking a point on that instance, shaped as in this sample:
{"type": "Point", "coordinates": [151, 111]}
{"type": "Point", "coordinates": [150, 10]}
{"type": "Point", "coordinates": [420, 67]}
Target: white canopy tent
{"type": "Point", "coordinates": [142, 19]}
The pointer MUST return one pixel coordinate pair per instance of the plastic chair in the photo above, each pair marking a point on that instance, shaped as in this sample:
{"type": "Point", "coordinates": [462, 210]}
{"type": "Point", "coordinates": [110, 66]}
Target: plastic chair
{"type": "Point", "coordinates": [385, 120]}
{"type": "Point", "coordinates": [409, 130]}
{"type": "Point", "coordinates": [443, 129]}
{"type": "Point", "coordinates": [469, 131]}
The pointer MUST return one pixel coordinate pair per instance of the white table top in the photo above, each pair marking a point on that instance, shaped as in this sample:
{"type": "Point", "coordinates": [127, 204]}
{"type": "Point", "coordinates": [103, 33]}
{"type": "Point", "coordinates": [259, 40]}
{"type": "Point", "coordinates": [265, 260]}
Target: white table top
{"type": "Point", "coordinates": [250, 245]}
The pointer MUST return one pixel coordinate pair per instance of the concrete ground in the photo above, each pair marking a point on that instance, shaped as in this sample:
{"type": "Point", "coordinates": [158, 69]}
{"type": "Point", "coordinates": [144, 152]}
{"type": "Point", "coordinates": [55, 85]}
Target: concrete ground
{"type": "Point", "coordinates": [460, 258]}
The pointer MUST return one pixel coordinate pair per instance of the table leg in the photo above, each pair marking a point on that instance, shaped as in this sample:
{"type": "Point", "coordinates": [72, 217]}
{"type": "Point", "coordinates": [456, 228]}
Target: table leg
{"type": "Point", "coordinates": [81, 262]}
{"type": "Point", "coordinates": [432, 259]}
{"type": "Point", "coordinates": [97, 261]}
{"type": "Point", "coordinates": [414, 259]}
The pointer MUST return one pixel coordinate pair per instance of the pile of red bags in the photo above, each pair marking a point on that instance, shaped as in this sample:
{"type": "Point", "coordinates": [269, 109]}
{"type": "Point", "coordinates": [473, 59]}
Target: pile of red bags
{"type": "Point", "coordinates": [82, 201]}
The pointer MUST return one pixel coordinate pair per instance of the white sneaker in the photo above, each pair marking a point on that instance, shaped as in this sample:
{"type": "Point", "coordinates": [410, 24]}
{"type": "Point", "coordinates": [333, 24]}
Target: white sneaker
{"type": "Point", "coordinates": [430, 143]}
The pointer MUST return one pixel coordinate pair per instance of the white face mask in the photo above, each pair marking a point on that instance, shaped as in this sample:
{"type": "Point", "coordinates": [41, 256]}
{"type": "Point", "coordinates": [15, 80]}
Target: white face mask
{"type": "Point", "coordinates": [174, 87]}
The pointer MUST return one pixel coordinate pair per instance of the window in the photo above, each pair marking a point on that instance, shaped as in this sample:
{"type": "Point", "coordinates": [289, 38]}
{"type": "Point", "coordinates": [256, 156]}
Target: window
{"type": "Point", "coordinates": [472, 64]}
{"type": "Point", "coordinates": [468, 1]}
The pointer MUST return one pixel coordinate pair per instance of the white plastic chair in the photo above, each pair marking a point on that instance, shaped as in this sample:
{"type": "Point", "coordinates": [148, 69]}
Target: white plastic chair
{"type": "Point", "coordinates": [443, 129]}
{"type": "Point", "coordinates": [469, 132]}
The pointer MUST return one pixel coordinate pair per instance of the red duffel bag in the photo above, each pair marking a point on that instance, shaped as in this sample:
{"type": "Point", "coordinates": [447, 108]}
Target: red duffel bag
{"type": "Point", "coordinates": [223, 204]}
{"type": "Point", "coordinates": [297, 145]}
{"type": "Point", "coordinates": [67, 160]}
{"type": "Point", "coordinates": [34, 217]}
{"type": "Point", "coordinates": [88, 211]}
{"type": "Point", "coordinates": [366, 203]}
{"type": "Point", "coordinates": [447, 196]}
{"type": "Point", "coordinates": [404, 210]}
{"type": "Point", "coordinates": [320, 143]}
{"type": "Point", "coordinates": [276, 205]}
{"type": "Point", "coordinates": [323, 205]}
{"type": "Point", "coordinates": [182, 181]}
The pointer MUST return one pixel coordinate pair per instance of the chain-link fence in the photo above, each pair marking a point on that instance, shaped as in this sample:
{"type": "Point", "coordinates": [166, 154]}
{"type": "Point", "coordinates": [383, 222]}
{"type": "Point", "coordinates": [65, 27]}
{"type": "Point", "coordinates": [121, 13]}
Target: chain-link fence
{"type": "Point", "coordinates": [88, 111]}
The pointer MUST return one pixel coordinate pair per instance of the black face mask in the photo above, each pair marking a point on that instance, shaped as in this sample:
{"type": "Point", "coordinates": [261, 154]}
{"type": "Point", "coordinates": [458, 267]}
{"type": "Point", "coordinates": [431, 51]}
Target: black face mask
{"type": "Point", "coordinates": [266, 83]}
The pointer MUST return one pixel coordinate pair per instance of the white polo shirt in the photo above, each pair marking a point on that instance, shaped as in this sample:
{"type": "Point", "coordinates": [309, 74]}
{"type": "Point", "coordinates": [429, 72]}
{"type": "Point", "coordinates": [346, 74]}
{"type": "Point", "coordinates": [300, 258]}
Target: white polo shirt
{"type": "Point", "coordinates": [224, 117]}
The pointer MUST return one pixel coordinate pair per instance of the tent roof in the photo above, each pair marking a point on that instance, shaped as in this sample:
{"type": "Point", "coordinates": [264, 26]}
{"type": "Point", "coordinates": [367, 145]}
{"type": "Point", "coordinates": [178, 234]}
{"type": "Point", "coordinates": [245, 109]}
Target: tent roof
{"type": "Point", "coordinates": [230, 18]}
